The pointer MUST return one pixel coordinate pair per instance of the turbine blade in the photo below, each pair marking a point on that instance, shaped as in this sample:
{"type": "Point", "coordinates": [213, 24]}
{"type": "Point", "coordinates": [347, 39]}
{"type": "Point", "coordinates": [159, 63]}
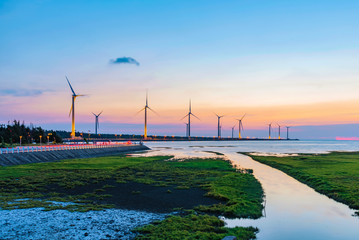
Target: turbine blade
{"type": "Point", "coordinates": [70, 111]}
{"type": "Point", "coordinates": [218, 115]}
{"type": "Point", "coordinates": [153, 111]}
{"type": "Point", "coordinates": [243, 116]}
{"type": "Point", "coordinates": [94, 114]}
{"type": "Point", "coordinates": [81, 95]}
{"type": "Point", "coordinates": [184, 117]}
{"type": "Point", "coordinates": [140, 110]}
{"type": "Point", "coordinates": [195, 116]}
{"type": "Point", "coordinates": [100, 113]}
{"type": "Point", "coordinates": [70, 85]}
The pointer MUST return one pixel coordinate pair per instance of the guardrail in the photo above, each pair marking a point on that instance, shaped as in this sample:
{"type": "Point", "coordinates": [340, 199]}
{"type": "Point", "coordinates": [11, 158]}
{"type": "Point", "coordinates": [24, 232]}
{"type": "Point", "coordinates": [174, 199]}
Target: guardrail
{"type": "Point", "coordinates": [47, 148]}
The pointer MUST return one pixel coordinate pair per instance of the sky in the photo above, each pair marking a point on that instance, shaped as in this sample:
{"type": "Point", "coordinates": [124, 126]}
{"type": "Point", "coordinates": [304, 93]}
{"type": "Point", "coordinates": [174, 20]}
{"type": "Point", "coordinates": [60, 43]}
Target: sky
{"type": "Point", "coordinates": [288, 62]}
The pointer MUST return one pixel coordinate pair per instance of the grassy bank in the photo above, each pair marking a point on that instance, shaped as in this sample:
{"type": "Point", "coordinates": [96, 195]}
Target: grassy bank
{"type": "Point", "coordinates": [335, 175]}
{"type": "Point", "coordinates": [193, 226]}
{"type": "Point", "coordinates": [203, 186]}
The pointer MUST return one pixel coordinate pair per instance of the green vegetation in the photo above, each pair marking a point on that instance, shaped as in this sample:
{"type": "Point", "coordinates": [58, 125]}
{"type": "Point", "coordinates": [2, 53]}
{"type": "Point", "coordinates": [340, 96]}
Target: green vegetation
{"type": "Point", "coordinates": [217, 153]}
{"type": "Point", "coordinates": [193, 227]}
{"type": "Point", "coordinates": [241, 193]}
{"type": "Point", "coordinates": [41, 183]}
{"type": "Point", "coordinates": [96, 183]}
{"type": "Point", "coordinates": [335, 174]}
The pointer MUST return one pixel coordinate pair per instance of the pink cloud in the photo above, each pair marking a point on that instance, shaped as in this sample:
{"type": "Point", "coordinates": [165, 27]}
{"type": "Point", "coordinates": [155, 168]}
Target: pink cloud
{"type": "Point", "coordinates": [347, 138]}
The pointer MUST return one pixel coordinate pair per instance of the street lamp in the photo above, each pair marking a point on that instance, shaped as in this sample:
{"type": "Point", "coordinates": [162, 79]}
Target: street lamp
{"type": "Point", "coordinates": [20, 140]}
{"type": "Point", "coordinates": [48, 138]}
{"type": "Point", "coordinates": [40, 139]}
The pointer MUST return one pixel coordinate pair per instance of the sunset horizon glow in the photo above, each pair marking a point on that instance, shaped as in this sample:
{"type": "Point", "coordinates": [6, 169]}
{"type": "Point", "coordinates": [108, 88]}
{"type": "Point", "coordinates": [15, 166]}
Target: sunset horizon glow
{"type": "Point", "coordinates": [293, 64]}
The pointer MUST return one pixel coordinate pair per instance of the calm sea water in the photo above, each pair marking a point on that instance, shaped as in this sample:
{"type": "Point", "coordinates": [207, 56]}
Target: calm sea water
{"type": "Point", "coordinates": [293, 210]}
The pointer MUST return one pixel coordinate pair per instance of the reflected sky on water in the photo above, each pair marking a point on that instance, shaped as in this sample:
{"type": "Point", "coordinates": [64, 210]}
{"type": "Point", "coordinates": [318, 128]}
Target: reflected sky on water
{"type": "Point", "coordinates": [293, 210]}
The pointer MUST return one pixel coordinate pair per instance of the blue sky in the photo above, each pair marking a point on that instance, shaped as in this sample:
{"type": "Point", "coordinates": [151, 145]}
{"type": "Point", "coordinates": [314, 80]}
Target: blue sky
{"type": "Point", "coordinates": [230, 56]}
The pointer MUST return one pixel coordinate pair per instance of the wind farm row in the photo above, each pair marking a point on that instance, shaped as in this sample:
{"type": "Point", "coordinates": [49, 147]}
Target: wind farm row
{"type": "Point", "coordinates": [146, 108]}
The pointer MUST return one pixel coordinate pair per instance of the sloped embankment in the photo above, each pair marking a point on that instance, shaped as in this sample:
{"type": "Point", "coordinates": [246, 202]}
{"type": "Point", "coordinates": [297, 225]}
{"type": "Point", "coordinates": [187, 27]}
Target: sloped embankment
{"type": "Point", "coordinates": [54, 156]}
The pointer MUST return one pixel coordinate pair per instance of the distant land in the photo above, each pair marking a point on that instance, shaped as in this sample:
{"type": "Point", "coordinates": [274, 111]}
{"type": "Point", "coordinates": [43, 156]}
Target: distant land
{"type": "Point", "coordinates": [313, 132]}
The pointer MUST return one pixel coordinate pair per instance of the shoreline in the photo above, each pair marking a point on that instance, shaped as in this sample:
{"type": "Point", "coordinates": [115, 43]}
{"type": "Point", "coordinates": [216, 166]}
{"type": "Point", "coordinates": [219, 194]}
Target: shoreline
{"type": "Point", "coordinates": [298, 166]}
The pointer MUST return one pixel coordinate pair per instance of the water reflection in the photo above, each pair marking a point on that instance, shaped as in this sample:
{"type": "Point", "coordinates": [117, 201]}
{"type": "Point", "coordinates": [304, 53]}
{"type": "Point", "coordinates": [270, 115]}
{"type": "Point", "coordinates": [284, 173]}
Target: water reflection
{"type": "Point", "coordinates": [293, 210]}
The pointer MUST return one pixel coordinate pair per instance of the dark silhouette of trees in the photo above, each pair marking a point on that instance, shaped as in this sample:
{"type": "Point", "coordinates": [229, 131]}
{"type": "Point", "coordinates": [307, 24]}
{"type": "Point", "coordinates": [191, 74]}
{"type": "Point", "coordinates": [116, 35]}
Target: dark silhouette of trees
{"type": "Point", "coordinates": [12, 132]}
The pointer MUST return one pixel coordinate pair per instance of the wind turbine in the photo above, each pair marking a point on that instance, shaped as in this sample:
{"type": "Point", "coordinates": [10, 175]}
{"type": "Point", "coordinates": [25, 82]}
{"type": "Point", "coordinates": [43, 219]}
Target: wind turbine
{"type": "Point", "coordinates": [97, 124]}
{"type": "Point", "coordinates": [287, 132]}
{"type": "Point", "coordinates": [240, 126]}
{"type": "Point", "coordinates": [233, 130]}
{"type": "Point", "coordinates": [74, 96]}
{"type": "Point", "coordinates": [219, 125]}
{"type": "Point", "coordinates": [270, 127]}
{"type": "Point", "coordinates": [189, 119]}
{"type": "Point", "coordinates": [186, 129]}
{"type": "Point", "coordinates": [278, 130]}
{"type": "Point", "coordinates": [145, 108]}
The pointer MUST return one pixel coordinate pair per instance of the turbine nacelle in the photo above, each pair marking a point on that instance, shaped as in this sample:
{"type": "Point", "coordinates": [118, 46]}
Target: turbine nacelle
{"type": "Point", "coordinates": [218, 116]}
{"type": "Point", "coordinates": [190, 112]}
{"type": "Point", "coordinates": [97, 114]}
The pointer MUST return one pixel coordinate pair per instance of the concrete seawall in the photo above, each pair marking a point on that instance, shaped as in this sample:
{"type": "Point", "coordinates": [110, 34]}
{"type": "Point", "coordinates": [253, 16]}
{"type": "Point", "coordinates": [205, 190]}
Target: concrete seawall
{"type": "Point", "coordinates": [53, 156]}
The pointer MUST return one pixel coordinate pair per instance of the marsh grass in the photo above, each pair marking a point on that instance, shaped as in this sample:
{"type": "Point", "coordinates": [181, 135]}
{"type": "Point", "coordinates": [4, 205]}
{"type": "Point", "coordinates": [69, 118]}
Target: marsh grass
{"type": "Point", "coordinates": [96, 183]}
{"type": "Point", "coordinates": [193, 226]}
{"type": "Point", "coordinates": [335, 174]}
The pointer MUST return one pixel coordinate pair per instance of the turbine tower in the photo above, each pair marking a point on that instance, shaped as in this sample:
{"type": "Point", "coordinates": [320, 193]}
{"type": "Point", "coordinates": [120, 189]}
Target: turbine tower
{"type": "Point", "coordinates": [97, 124]}
{"type": "Point", "coordinates": [72, 110]}
{"type": "Point", "coordinates": [233, 130]}
{"type": "Point", "coordinates": [145, 108]}
{"type": "Point", "coordinates": [278, 130]}
{"type": "Point", "coordinates": [189, 119]}
{"type": "Point", "coordinates": [270, 127]}
{"type": "Point", "coordinates": [287, 132]}
{"type": "Point", "coordinates": [219, 125]}
{"type": "Point", "coordinates": [240, 126]}
{"type": "Point", "coordinates": [186, 129]}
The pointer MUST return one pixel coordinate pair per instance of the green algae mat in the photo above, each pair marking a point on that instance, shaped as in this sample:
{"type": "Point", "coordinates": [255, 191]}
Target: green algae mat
{"type": "Point", "coordinates": [198, 190]}
{"type": "Point", "coordinates": [335, 174]}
